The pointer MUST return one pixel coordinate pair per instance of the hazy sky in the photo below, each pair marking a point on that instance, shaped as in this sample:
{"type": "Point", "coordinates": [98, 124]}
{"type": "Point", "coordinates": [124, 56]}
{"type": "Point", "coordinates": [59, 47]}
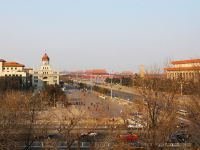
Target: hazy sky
{"type": "Point", "coordinates": [112, 34]}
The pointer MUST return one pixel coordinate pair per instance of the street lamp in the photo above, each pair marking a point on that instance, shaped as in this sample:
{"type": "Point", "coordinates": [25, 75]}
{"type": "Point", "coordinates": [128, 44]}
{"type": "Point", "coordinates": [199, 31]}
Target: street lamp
{"type": "Point", "coordinates": [181, 88]}
{"type": "Point", "coordinates": [111, 90]}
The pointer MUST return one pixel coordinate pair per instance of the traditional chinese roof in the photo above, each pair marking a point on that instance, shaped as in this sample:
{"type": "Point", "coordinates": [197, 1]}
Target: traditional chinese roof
{"type": "Point", "coordinates": [45, 57]}
{"type": "Point", "coordinates": [182, 69]}
{"type": "Point", "coordinates": [126, 73]}
{"type": "Point", "coordinates": [186, 61]}
{"type": "Point", "coordinates": [96, 71]}
{"type": "Point", "coordinates": [12, 64]}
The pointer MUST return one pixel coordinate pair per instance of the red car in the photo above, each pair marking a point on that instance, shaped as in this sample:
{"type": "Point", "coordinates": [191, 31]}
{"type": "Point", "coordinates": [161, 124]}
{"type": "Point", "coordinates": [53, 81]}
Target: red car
{"type": "Point", "coordinates": [129, 137]}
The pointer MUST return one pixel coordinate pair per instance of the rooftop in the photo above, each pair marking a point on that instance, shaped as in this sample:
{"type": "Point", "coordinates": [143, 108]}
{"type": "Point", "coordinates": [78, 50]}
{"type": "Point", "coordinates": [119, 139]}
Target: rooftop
{"type": "Point", "coordinates": [12, 64]}
{"type": "Point", "coordinates": [96, 71]}
{"type": "Point", "coordinates": [183, 69]}
{"type": "Point", "coordinates": [186, 61]}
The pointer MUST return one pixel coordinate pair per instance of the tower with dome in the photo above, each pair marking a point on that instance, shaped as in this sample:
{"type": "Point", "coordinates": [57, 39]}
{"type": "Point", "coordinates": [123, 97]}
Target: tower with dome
{"type": "Point", "coordinates": [45, 75]}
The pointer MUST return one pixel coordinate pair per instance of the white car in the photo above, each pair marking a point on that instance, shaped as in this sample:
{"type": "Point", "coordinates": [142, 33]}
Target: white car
{"type": "Point", "coordinates": [89, 134]}
{"type": "Point", "coordinates": [92, 134]}
{"type": "Point", "coordinates": [135, 124]}
{"type": "Point", "coordinates": [138, 125]}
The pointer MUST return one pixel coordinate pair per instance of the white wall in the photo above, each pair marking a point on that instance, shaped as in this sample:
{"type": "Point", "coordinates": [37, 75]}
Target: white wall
{"type": "Point", "coordinates": [1, 67]}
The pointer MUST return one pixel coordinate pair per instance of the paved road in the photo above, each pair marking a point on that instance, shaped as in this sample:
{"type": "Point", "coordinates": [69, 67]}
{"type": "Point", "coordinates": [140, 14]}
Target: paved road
{"type": "Point", "coordinates": [120, 92]}
{"type": "Point", "coordinates": [96, 105]}
{"type": "Point", "coordinates": [129, 90]}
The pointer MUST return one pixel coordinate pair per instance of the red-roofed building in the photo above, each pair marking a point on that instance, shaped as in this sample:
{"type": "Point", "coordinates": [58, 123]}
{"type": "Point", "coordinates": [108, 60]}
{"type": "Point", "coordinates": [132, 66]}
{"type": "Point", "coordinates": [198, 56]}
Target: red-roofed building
{"type": "Point", "coordinates": [11, 69]}
{"type": "Point", "coordinates": [12, 64]}
{"type": "Point", "coordinates": [184, 69]}
{"type": "Point", "coordinates": [45, 75]}
{"type": "Point", "coordinates": [96, 72]}
{"type": "Point", "coordinates": [14, 69]}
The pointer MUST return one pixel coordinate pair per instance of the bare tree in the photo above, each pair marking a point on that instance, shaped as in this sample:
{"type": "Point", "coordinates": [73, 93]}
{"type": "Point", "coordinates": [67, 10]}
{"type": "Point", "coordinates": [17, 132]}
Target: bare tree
{"type": "Point", "coordinates": [192, 104]}
{"type": "Point", "coordinates": [13, 113]}
{"type": "Point", "coordinates": [158, 107]}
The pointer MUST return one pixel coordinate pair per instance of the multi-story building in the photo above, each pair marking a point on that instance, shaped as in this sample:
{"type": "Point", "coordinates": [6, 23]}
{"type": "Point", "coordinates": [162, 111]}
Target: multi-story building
{"type": "Point", "coordinates": [12, 69]}
{"type": "Point", "coordinates": [45, 75]}
{"type": "Point", "coordinates": [184, 69]}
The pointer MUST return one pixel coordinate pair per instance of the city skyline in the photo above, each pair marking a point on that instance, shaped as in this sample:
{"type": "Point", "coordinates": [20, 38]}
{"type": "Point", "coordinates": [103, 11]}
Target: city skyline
{"type": "Point", "coordinates": [113, 35]}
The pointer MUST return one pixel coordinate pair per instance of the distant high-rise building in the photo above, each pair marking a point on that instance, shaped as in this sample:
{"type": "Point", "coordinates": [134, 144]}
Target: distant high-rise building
{"type": "Point", "coordinates": [142, 71]}
{"type": "Point", "coordinates": [45, 75]}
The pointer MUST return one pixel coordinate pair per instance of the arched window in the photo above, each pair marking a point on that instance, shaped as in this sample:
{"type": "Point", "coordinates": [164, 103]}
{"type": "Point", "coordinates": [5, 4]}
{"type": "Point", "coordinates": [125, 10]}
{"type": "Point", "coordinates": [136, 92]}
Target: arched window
{"type": "Point", "coordinates": [45, 78]}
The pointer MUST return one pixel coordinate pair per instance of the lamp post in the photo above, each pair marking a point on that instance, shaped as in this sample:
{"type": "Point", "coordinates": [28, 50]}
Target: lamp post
{"type": "Point", "coordinates": [111, 90]}
{"type": "Point", "coordinates": [181, 88]}
{"type": "Point", "coordinates": [91, 83]}
{"type": "Point", "coordinates": [54, 100]}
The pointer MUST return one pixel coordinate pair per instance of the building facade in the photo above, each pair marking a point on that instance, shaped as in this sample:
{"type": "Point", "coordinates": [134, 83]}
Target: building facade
{"type": "Point", "coordinates": [17, 70]}
{"type": "Point", "coordinates": [12, 69]}
{"type": "Point", "coordinates": [184, 69]}
{"type": "Point", "coordinates": [45, 75]}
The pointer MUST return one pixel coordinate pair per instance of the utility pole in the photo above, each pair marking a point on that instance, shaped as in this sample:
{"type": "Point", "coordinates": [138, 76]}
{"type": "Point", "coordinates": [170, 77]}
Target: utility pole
{"type": "Point", "coordinates": [181, 88]}
{"type": "Point", "coordinates": [111, 91]}
{"type": "Point", "coordinates": [54, 101]}
{"type": "Point", "coordinates": [121, 81]}
{"type": "Point", "coordinates": [91, 84]}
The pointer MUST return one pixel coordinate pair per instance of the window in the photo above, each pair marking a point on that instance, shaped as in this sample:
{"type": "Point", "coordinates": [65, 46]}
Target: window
{"type": "Point", "coordinates": [45, 78]}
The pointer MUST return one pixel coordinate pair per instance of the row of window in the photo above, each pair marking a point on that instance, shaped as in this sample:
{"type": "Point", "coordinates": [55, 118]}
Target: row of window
{"type": "Point", "coordinates": [13, 75]}
{"type": "Point", "coordinates": [45, 72]}
{"type": "Point", "coordinates": [9, 68]}
{"type": "Point", "coordinates": [35, 77]}
{"type": "Point", "coordinates": [45, 67]}
{"type": "Point", "coordinates": [186, 75]}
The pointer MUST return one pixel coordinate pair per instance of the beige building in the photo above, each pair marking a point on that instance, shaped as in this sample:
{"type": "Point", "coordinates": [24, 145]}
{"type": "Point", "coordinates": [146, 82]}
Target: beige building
{"type": "Point", "coordinates": [184, 69]}
{"type": "Point", "coordinates": [142, 71]}
{"type": "Point", "coordinates": [12, 69]}
{"type": "Point", "coordinates": [45, 75]}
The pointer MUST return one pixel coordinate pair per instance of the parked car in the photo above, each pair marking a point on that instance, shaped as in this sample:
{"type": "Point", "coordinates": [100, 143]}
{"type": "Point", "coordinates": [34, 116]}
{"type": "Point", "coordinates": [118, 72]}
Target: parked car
{"type": "Point", "coordinates": [129, 137]}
